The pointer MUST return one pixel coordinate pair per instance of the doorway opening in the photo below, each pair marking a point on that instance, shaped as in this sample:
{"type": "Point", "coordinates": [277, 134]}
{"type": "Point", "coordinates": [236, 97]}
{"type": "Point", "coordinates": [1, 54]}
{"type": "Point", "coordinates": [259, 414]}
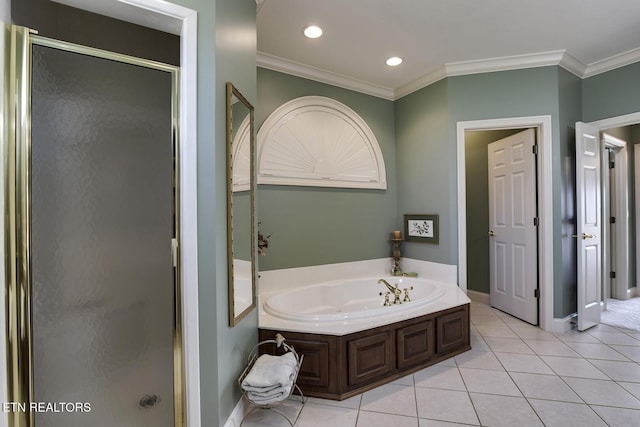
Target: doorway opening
{"type": "Point", "coordinates": [502, 220]}
{"type": "Point", "coordinates": [542, 126]}
{"type": "Point", "coordinates": [615, 191]}
{"type": "Point", "coordinates": [619, 134]}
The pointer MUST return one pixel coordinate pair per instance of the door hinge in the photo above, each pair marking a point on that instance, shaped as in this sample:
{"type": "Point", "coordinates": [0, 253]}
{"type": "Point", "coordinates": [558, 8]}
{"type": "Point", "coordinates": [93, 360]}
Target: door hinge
{"type": "Point", "coordinates": [174, 252]}
{"type": "Point", "coordinates": [536, 221]}
{"type": "Point", "coordinates": [535, 149]}
{"type": "Point", "coordinates": [612, 274]}
{"type": "Point", "coordinates": [613, 220]}
{"type": "Point", "coordinates": [536, 293]}
{"type": "Point", "coordinates": [612, 165]}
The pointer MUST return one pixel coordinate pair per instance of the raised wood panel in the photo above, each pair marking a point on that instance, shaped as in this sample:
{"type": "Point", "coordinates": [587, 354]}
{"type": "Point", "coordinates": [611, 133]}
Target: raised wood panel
{"type": "Point", "coordinates": [339, 367]}
{"type": "Point", "coordinates": [415, 344]}
{"type": "Point", "coordinates": [452, 331]}
{"type": "Point", "coordinates": [315, 367]}
{"type": "Point", "coordinates": [370, 357]}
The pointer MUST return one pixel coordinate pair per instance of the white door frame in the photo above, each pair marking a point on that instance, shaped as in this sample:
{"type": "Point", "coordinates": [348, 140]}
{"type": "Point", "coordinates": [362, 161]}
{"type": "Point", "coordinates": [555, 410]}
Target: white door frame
{"type": "Point", "coordinates": [545, 206]}
{"type": "Point", "coordinates": [621, 267]}
{"type": "Point", "coordinates": [168, 17]}
{"type": "Point", "coordinates": [614, 122]}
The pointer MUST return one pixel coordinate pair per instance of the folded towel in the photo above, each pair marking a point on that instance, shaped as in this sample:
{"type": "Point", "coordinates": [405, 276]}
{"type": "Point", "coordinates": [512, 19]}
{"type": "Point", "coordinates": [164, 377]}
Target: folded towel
{"type": "Point", "coordinates": [249, 388]}
{"type": "Point", "coordinates": [277, 395]}
{"type": "Point", "coordinates": [268, 394]}
{"type": "Point", "coordinates": [270, 372]}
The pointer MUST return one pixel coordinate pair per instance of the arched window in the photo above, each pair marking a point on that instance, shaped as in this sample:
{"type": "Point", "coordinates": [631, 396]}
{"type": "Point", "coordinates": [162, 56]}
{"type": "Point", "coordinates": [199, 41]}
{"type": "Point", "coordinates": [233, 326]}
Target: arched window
{"type": "Point", "coordinates": [318, 141]}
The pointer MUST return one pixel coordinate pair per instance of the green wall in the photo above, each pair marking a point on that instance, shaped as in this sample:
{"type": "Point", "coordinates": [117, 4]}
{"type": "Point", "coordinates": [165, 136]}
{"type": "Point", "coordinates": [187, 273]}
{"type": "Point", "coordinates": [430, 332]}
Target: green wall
{"type": "Point", "coordinates": [426, 166]}
{"type": "Point", "coordinates": [531, 92]}
{"type": "Point", "coordinates": [417, 134]}
{"type": "Point", "coordinates": [226, 52]}
{"type": "Point", "coordinates": [611, 94]}
{"type": "Point", "coordinates": [426, 123]}
{"type": "Point", "coordinates": [317, 225]}
{"type": "Point", "coordinates": [227, 348]}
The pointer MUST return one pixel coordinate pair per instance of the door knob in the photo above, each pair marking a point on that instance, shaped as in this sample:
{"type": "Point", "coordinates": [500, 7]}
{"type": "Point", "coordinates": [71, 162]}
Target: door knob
{"type": "Point", "coordinates": [491, 233]}
{"type": "Point", "coordinates": [584, 236]}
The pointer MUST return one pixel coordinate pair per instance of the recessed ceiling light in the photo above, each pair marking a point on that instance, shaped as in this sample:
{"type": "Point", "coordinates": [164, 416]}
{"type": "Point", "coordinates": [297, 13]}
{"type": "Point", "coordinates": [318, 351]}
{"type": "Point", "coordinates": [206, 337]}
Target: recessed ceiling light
{"type": "Point", "coordinates": [312, 31]}
{"type": "Point", "coordinates": [394, 61]}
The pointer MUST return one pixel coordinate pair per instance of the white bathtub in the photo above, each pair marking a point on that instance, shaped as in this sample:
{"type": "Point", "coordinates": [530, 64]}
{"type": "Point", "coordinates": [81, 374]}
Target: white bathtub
{"type": "Point", "coordinates": [350, 299]}
{"type": "Point", "coordinates": [346, 306]}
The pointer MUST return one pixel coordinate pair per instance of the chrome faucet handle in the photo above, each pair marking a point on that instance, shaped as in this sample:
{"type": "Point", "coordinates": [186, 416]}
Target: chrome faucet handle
{"type": "Point", "coordinates": [406, 294]}
{"type": "Point", "coordinates": [387, 303]}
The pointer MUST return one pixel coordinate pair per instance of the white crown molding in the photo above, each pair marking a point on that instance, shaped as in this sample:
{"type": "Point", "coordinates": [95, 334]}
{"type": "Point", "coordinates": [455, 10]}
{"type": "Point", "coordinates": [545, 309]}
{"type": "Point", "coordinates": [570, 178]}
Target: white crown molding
{"type": "Point", "coordinates": [516, 62]}
{"type": "Point", "coordinates": [505, 63]}
{"type": "Point", "coordinates": [572, 65]}
{"type": "Point", "coordinates": [423, 81]}
{"type": "Point", "coordinates": [276, 63]}
{"type": "Point", "coordinates": [626, 58]}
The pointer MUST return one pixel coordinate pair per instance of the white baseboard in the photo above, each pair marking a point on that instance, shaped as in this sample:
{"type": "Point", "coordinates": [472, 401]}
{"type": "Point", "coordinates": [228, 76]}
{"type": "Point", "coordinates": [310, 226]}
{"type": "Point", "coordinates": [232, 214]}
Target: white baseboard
{"type": "Point", "coordinates": [237, 415]}
{"type": "Point", "coordinates": [560, 326]}
{"type": "Point", "coordinates": [633, 292]}
{"type": "Point", "coordinates": [476, 296]}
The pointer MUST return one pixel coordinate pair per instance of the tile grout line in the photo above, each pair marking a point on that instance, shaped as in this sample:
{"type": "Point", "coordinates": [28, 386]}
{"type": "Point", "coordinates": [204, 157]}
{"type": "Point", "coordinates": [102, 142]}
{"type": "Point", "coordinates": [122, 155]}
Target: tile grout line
{"type": "Point", "coordinates": [513, 381]}
{"type": "Point", "coordinates": [490, 319]}
{"type": "Point", "coordinates": [563, 379]}
{"type": "Point", "coordinates": [475, 411]}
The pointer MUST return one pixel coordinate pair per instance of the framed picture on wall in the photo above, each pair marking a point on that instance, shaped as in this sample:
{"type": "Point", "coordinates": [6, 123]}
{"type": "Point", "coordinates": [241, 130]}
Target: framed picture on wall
{"type": "Point", "coordinates": [421, 228]}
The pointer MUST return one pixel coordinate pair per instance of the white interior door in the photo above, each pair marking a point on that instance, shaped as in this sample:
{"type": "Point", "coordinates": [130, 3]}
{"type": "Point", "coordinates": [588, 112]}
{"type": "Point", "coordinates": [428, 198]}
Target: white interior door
{"type": "Point", "coordinates": [513, 251]}
{"type": "Point", "coordinates": [588, 213]}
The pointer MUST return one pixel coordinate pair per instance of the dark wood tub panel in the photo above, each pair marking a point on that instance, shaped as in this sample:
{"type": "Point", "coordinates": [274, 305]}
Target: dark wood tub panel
{"type": "Point", "coordinates": [338, 367]}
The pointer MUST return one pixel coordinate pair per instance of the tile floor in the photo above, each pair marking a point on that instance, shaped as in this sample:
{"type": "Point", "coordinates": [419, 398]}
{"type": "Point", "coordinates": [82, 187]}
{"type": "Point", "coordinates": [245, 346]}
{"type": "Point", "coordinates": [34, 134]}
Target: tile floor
{"type": "Point", "coordinates": [515, 375]}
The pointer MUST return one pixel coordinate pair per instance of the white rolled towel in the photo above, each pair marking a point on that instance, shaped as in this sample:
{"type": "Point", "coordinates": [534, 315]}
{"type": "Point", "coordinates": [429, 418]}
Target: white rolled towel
{"type": "Point", "coordinates": [270, 372]}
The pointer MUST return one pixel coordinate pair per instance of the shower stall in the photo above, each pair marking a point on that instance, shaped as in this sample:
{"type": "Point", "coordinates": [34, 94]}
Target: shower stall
{"type": "Point", "coordinates": [91, 236]}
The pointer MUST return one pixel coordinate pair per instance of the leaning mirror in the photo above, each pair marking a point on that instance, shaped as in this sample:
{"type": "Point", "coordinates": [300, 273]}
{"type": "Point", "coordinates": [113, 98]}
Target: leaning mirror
{"type": "Point", "coordinates": [240, 205]}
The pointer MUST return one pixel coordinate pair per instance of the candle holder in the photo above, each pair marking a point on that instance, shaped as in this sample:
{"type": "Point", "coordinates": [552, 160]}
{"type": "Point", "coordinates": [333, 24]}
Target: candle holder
{"type": "Point", "coordinates": [396, 270]}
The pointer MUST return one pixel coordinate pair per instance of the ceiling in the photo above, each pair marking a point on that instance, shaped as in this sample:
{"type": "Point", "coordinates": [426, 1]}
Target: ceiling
{"type": "Point", "coordinates": [439, 38]}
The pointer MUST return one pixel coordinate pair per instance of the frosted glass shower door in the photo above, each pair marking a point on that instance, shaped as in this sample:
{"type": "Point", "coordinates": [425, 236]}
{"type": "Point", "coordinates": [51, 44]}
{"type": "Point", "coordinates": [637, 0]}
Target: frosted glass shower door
{"type": "Point", "coordinates": [102, 224]}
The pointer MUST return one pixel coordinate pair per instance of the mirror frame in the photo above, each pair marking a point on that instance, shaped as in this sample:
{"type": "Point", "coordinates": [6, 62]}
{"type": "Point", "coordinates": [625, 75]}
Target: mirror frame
{"type": "Point", "coordinates": [234, 317]}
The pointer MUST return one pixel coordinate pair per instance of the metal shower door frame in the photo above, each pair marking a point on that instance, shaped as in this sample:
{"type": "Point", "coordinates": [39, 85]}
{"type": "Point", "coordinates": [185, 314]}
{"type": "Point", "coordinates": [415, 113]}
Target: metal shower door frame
{"type": "Point", "coordinates": [17, 212]}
